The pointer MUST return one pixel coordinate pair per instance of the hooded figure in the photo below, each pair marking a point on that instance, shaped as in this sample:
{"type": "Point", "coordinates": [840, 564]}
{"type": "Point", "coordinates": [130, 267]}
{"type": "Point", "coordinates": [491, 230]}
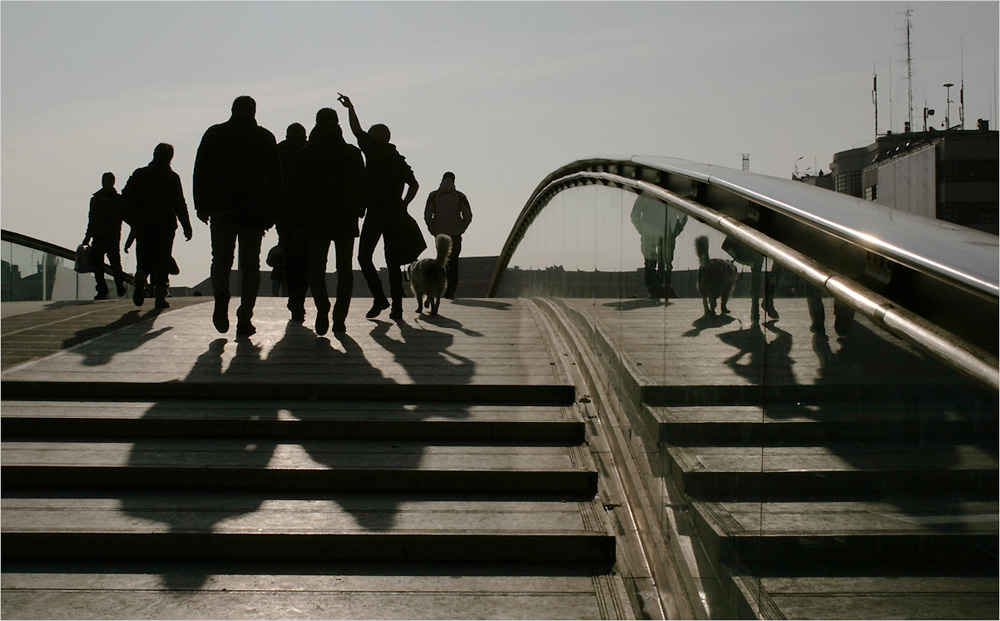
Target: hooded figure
{"type": "Point", "coordinates": [658, 226]}
{"type": "Point", "coordinates": [448, 213]}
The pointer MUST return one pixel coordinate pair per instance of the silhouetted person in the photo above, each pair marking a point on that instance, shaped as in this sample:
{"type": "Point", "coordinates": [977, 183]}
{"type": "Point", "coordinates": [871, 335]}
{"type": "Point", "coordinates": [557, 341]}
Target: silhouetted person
{"type": "Point", "coordinates": [155, 203]}
{"type": "Point", "coordinates": [276, 261]}
{"type": "Point", "coordinates": [388, 174]}
{"type": "Point", "coordinates": [744, 255]}
{"type": "Point", "coordinates": [658, 226]}
{"type": "Point", "coordinates": [448, 213]}
{"type": "Point", "coordinates": [237, 191]}
{"type": "Point", "coordinates": [328, 200]}
{"type": "Point", "coordinates": [104, 233]}
{"type": "Point", "coordinates": [292, 239]}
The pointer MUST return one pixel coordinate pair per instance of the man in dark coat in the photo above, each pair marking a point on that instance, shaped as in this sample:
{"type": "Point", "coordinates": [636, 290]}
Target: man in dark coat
{"type": "Point", "coordinates": [388, 174]}
{"type": "Point", "coordinates": [154, 203]}
{"type": "Point", "coordinates": [237, 191]}
{"type": "Point", "coordinates": [329, 198]}
{"type": "Point", "coordinates": [104, 233]}
{"type": "Point", "coordinates": [291, 239]}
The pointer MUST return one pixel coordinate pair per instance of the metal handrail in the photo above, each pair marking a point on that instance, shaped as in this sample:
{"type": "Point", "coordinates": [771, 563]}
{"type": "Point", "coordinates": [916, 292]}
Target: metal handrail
{"type": "Point", "coordinates": [59, 251]}
{"type": "Point", "coordinates": [937, 342]}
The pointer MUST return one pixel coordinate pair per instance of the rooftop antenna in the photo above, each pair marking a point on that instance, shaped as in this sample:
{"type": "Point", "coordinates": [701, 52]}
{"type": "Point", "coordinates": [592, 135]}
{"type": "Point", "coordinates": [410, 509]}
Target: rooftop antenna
{"type": "Point", "coordinates": [890, 94]}
{"type": "Point", "coordinates": [947, 109]}
{"type": "Point", "coordinates": [909, 67]}
{"type": "Point", "coordinates": [961, 92]}
{"type": "Point", "coordinates": [875, 98]}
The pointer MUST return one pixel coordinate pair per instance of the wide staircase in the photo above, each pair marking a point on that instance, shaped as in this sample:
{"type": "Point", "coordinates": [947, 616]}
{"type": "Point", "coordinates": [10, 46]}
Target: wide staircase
{"type": "Point", "coordinates": [435, 468]}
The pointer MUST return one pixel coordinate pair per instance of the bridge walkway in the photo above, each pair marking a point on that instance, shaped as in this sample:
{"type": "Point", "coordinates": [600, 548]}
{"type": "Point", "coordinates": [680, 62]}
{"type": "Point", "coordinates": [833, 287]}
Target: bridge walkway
{"type": "Point", "coordinates": [430, 468]}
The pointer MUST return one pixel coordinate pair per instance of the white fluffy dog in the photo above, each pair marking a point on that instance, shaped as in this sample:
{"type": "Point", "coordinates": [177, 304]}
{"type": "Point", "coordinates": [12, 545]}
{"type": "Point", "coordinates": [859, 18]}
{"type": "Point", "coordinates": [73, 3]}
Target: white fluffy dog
{"type": "Point", "coordinates": [428, 276]}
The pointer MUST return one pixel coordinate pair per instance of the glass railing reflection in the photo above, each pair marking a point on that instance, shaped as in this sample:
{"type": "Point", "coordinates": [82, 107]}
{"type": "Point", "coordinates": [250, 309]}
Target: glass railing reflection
{"type": "Point", "coordinates": [30, 274]}
{"type": "Point", "coordinates": [794, 441]}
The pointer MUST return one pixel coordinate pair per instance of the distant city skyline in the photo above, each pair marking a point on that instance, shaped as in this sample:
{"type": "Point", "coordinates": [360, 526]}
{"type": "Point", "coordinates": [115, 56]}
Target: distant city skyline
{"type": "Point", "coordinates": [501, 93]}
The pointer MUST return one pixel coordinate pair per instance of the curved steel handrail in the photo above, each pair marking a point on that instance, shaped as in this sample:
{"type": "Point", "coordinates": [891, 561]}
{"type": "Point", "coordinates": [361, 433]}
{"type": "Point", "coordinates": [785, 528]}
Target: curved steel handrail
{"type": "Point", "coordinates": [36, 244]}
{"type": "Point", "coordinates": [44, 246]}
{"type": "Point", "coordinates": [939, 343]}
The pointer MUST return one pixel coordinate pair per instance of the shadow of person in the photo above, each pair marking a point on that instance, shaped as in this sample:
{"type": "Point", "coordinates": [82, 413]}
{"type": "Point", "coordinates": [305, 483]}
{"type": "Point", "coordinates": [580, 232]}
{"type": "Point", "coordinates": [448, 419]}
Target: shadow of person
{"type": "Point", "coordinates": [706, 322]}
{"type": "Point", "coordinates": [759, 359]}
{"type": "Point", "coordinates": [342, 361]}
{"type": "Point", "coordinates": [627, 305]}
{"type": "Point", "coordinates": [476, 303]}
{"type": "Point", "coordinates": [103, 351]}
{"type": "Point", "coordinates": [445, 322]}
{"type": "Point", "coordinates": [203, 510]}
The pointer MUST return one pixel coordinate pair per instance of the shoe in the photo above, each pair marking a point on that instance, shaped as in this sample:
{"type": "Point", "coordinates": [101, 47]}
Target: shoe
{"type": "Point", "coordinates": [842, 325]}
{"type": "Point", "coordinates": [377, 308]}
{"type": "Point", "coordinates": [162, 303]}
{"type": "Point", "coordinates": [339, 328]}
{"type": "Point", "coordinates": [121, 290]}
{"type": "Point", "coordinates": [139, 295]}
{"type": "Point", "coordinates": [298, 316]}
{"type": "Point", "coordinates": [396, 314]}
{"type": "Point", "coordinates": [322, 322]}
{"type": "Point", "coordinates": [245, 329]}
{"type": "Point", "coordinates": [769, 308]}
{"type": "Point", "coordinates": [220, 317]}
{"type": "Point", "coordinates": [101, 296]}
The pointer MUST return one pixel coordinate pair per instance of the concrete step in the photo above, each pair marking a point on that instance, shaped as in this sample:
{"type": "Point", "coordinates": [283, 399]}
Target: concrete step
{"type": "Point", "coordinates": [926, 531]}
{"type": "Point", "coordinates": [304, 591]}
{"type": "Point", "coordinates": [282, 420]}
{"type": "Point", "coordinates": [319, 465]}
{"type": "Point", "coordinates": [329, 528]}
{"type": "Point", "coordinates": [124, 387]}
{"type": "Point", "coordinates": [837, 470]}
{"type": "Point", "coordinates": [866, 596]}
{"type": "Point", "coordinates": [920, 421]}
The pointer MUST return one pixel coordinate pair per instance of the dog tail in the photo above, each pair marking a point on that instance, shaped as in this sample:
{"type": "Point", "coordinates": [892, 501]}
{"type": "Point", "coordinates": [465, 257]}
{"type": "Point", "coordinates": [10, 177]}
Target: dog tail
{"type": "Point", "coordinates": [701, 247]}
{"type": "Point", "coordinates": [443, 244]}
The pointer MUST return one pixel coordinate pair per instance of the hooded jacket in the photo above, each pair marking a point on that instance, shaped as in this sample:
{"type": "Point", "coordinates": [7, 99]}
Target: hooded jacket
{"type": "Point", "coordinates": [447, 210]}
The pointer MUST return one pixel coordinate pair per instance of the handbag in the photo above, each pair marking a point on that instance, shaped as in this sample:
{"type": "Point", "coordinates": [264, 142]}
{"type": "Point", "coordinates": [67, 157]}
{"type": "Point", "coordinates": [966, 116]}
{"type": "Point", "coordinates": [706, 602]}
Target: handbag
{"type": "Point", "coordinates": [406, 242]}
{"type": "Point", "coordinates": [84, 260]}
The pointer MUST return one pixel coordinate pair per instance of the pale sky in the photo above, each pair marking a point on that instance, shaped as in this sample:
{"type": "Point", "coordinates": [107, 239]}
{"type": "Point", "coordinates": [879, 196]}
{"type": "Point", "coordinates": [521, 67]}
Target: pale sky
{"type": "Point", "coordinates": [500, 93]}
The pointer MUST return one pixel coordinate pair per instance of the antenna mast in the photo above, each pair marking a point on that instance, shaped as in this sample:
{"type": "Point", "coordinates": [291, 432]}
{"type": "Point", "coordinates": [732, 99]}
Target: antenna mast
{"type": "Point", "coordinates": [961, 93]}
{"type": "Point", "coordinates": [909, 67]}
{"type": "Point", "coordinates": [875, 98]}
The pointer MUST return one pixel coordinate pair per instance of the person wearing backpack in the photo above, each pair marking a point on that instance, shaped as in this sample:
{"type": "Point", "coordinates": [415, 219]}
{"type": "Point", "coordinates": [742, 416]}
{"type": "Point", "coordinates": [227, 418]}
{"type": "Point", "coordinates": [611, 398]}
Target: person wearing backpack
{"type": "Point", "coordinates": [448, 213]}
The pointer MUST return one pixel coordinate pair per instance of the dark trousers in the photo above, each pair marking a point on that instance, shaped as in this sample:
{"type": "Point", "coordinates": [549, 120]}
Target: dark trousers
{"type": "Point", "coordinates": [319, 250]}
{"type": "Point", "coordinates": [456, 250]}
{"type": "Point", "coordinates": [371, 231]}
{"type": "Point", "coordinates": [296, 269]}
{"type": "Point", "coordinates": [225, 233]}
{"type": "Point", "coordinates": [153, 253]}
{"type": "Point", "coordinates": [99, 248]}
